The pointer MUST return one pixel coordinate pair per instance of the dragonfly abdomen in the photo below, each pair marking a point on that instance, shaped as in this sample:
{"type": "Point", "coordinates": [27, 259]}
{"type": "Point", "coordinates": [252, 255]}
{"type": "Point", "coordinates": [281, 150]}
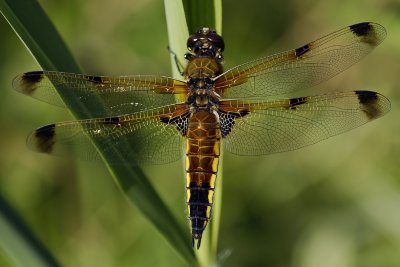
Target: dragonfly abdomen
{"type": "Point", "coordinates": [202, 158]}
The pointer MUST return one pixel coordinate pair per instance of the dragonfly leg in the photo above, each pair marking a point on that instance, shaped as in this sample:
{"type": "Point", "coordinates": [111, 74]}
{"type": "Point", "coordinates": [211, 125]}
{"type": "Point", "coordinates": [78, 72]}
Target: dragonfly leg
{"type": "Point", "coordinates": [178, 64]}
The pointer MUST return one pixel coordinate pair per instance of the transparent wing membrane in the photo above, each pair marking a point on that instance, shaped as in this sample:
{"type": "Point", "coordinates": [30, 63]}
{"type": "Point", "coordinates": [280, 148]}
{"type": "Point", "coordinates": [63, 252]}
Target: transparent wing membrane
{"type": "Point", "coordinates": [118, 95]}
{"type": "Point", "coordinates": [289, 124]}
{"type": "Point", "coordinates": [141, 138]}
{"type": "Point", "coordinates": [303, 67]}
{"type": "Point", "coordinates": [140, 111]}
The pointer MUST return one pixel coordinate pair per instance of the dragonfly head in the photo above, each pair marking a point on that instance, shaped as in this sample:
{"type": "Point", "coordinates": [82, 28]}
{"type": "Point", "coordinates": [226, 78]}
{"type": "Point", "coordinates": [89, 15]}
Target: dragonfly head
{"type": "Point", "coordinates": [206, 43]}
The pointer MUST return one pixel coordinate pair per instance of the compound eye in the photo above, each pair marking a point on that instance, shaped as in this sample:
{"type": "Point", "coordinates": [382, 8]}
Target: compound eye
{"type": "Point", "coordinates": [219, 42]}
{"type": "Point", "coordinates": [191, 42]}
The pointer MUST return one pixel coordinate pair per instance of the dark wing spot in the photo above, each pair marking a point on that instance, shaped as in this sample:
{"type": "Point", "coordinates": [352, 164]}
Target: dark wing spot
{"type": "Point", "coordinates": [293, 102]}
{"type": "Point", "coordinates": [366, 32]}
{"type": "Point", "coordinates": [369, 102]}
{"type": "Point", "coordinates": [302, 50]}
{"type": "Point", "coordinates": [165, 119]}
{"type": "Point", "coordinates": [361, 29]}
{"type": "Point", "coordinates": [45, 138]}
{"type": "Point", "coordinates": [112, 120]}
{"type": "Point", "coordinates": [96, 79]}
{"type": "Point", "coordinates": [243, 112]}
{"type": "Point", "coordinates": [29, 80]}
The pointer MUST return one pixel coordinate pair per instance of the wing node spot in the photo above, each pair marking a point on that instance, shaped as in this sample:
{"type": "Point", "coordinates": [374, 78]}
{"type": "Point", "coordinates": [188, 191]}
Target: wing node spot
{"type": "Point", "coordinates": [112, 120]}
{"type": "Point", "coordinates": [94, 79]}
{"type": "Point", "coordinates": [293, 102]}
{"type": "Point", "coordinates": [302, 50]}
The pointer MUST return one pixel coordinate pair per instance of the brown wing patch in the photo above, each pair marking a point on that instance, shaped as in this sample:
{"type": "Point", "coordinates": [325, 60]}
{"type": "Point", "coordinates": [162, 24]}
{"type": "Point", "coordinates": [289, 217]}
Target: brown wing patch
{"type": "Point", "coordinates": [179, 117]}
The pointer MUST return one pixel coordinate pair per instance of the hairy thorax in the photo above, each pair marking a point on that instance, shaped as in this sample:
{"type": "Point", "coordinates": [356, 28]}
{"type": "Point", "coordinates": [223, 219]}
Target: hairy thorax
{"type": "Point", "coordinates": [200, 74]}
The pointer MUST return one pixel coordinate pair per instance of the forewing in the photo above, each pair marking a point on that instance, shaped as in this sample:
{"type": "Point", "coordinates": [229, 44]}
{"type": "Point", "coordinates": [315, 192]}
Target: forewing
{"type": "Point", "coordinates": [282, 125]}
{"type": "Point", "coordinates": [118, 95]}
{"type": "Point", "coordinates": [139, 138]}
{"type": "Point", "coordinates": [303, 67]}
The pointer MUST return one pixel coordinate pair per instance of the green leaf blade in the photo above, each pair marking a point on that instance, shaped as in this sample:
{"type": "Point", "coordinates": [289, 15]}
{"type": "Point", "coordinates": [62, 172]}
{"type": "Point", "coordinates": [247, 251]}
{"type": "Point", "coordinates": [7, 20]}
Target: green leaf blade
{"type": "Point", "coordinates": [19, 242]}
{"type": "Point", "coordinates": [198, 14]}
{"type": "Point", "coordinates": [206, 13]}
{"type": "Point", "coordinates": [39, 35]}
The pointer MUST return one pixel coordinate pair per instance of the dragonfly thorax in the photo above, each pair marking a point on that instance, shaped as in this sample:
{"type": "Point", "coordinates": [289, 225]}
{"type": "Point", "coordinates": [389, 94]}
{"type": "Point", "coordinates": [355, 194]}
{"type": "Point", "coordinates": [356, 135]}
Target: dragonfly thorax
{"type": "Point", "coordinates": [200, 84]}
{"type": "Point", "coordinates": [201, 92]}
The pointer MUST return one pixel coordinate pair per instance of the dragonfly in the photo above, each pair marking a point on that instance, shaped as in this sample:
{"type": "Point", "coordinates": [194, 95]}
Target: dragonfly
{"type": "Point", "coordinates": [241, 110]}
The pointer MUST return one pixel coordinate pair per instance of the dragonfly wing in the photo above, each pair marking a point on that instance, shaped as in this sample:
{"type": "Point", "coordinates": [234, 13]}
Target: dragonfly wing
{"type": "Point", "coordinates": [303, 67]}
{"type": "Point", "coordinates": [267, 127]}
{"type": "Point", "coordinates": [118, 95]}
{"type": "Point", "coordinates": [140, 138]}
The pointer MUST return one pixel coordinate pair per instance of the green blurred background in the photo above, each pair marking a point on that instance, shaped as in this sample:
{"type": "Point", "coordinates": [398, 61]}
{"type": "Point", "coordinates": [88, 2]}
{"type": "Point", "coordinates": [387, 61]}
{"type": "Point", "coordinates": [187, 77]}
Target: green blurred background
{"type": "Point", "coordinates": [333, 204]}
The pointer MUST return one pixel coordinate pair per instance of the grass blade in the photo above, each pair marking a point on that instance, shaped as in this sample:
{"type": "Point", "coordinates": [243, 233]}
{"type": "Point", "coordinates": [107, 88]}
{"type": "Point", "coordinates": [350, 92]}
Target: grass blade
{"type": "Point", "coordinates": [177, 32]}
{"type": "Point", "coordinates": [44, 42]}
{"type": "Point", "coordinates": [206, 13]}
{"type": "Point", "coordinates": [19, 242]}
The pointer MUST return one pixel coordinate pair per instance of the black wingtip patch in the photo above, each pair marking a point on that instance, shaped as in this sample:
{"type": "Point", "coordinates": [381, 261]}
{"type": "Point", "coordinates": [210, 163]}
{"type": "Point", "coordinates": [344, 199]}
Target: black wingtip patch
{"type": "Point", "coordinates": [302, 50]}
{"type": "Point", "coordinates": [368, 33]}
{"type": "Point", "coordinates": [369, 103]}
{"type": "Point", "coordinates": [29, 80]}
{"type": "Point", "coordinates": [293, 102]}
{"type": "Point", "coordinates": [361, 29]}
{"type": "Point", "coordinates": [45, 138]}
